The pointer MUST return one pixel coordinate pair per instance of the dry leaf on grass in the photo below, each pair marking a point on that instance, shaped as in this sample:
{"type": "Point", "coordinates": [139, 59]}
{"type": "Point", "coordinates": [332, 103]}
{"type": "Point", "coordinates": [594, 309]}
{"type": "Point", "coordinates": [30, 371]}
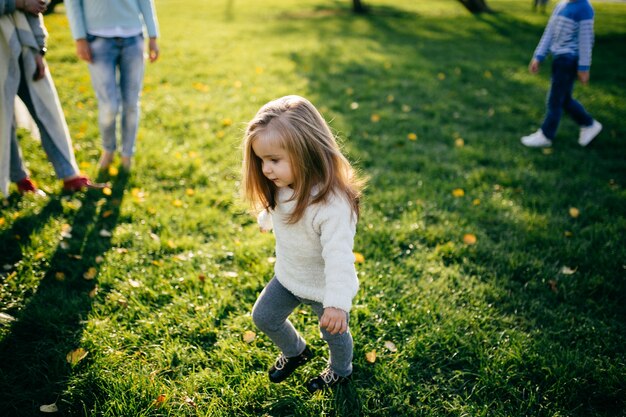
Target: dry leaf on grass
{"type": "Point", "coordinates": [249, 336]}
{"type": "Point", "coordinates": [391, 346]}
{"type": "Point", "coordinates": [359, 258]}
{"type": "Point", "coordinates": [49, 408]}
{"type": "Point", "coordinates": [90, 274]}
{"type": "Point", "coordinates": [76, 356]}
{"type": "Point", "coordinates": [371, 356]}
{"type": "Point", "coordinates": [469, 239]}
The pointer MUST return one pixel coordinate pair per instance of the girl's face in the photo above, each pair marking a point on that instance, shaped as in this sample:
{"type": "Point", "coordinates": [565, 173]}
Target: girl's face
{"type": "Point", "coordinates": [276, 161]}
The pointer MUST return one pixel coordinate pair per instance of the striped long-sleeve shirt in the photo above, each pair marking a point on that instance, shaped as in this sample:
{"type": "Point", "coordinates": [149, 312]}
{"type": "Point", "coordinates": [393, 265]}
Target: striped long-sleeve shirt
{"type": "Point", "coordinates": [569, 32]}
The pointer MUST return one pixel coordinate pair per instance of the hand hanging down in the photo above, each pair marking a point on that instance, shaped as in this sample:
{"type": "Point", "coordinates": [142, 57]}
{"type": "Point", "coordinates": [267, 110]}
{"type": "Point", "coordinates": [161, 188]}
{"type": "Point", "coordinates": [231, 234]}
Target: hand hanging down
{"type": "Point", "coordinates": [334, 320]}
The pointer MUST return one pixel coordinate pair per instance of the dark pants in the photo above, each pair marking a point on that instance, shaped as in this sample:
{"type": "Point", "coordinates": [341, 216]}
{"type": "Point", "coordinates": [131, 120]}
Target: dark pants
{"type": "Point", "coordinates": [564, 73]}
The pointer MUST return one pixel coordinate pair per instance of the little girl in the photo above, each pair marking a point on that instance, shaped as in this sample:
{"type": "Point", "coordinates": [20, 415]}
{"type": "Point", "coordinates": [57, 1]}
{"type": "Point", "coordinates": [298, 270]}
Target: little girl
{"type": "Point", "coordinates": [294, 171]}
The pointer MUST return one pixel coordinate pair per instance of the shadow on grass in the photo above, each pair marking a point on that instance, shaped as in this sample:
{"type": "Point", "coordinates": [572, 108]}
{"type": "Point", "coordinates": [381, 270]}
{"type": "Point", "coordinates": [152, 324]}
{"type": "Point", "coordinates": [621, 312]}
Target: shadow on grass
{"type": "Point", "coordinates": [34, 369]}
{"type": "Point", "coordinates": [469, 84]}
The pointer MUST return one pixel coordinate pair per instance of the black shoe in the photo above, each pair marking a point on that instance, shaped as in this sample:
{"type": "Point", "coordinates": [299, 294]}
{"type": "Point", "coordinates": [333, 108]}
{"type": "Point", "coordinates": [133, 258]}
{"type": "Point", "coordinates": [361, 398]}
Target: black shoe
{"type": "Point", "coordinates": [285, 366]}
{"type": "Point", "coordinates": [326, 379]}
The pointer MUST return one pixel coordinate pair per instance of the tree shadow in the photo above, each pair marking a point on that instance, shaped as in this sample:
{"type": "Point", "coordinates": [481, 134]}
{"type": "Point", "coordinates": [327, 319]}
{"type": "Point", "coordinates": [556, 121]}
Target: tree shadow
{"type": "Point", "coordinates": [34, 368]}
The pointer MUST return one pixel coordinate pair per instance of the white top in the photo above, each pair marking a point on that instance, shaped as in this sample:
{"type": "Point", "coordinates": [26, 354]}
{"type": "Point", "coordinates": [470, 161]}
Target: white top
{"type": "Point", "coordinates": [314, 257]}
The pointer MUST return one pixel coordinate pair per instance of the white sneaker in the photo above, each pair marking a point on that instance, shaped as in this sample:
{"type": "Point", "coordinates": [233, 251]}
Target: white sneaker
{"type": "Point", "coordinates": [587, 134]}
{"type": "Point", "coordinates": [536, 140]}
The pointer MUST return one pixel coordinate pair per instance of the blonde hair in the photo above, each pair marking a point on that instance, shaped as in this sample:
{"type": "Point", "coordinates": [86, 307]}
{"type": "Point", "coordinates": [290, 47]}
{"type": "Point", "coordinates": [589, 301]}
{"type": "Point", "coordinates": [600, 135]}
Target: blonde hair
{"type": "Point", "coordinates": [294, 124]}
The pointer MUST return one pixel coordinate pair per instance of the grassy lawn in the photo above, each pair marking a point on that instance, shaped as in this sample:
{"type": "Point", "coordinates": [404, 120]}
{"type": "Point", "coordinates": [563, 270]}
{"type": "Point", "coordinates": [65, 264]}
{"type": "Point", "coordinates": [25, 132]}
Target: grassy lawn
{"type": "Point", "coordinates": [494, 276]}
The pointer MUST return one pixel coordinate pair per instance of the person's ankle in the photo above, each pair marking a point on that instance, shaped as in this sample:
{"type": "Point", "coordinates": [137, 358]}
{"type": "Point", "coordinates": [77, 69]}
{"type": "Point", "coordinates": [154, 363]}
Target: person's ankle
{"type": "Point", "coordinates": [127, 162]}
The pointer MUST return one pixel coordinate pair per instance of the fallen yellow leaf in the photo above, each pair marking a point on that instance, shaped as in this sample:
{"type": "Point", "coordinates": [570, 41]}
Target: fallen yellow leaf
{"type": "Point", "coordinates": [249, 336]}
{"type": "Point", "coordinates": [93, 292]}
{"type": "Point", "coordinates": [203, 88]}
{"type": "Point", "coordinates": [359, 258]}
{"type": "Point", "coordinates": [49, 408]}
{"type": "Point", "coordinates": [371, 356]}
{"type": "Point", "coordinates": [469, 239]}
{"type": "Point", "coordinates": [458, 192]}
{"type": "Point", "coordinates": [90, 274]}
{"type": "Point", "coordinates": [391, 346]}
{"type": "Point", "coordinates": [566, 270]}
{"type": "Point", "coordinates": [76, 356]}
{"type": "Point", "coordinates": [160, 400]}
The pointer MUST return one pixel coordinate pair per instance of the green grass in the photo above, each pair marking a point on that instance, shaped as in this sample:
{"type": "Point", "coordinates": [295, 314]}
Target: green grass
{"type": "Point", "coordinates": [491, 329]}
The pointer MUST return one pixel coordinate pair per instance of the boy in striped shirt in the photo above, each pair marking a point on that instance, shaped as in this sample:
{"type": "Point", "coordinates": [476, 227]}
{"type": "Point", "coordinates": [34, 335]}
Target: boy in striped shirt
{"type": "Point", "coordinates": [569, 38]}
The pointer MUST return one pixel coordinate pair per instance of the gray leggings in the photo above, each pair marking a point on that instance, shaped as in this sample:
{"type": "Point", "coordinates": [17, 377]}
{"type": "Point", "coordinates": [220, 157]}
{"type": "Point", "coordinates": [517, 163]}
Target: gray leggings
{"type": "Point", "coordinates": [270, 314]}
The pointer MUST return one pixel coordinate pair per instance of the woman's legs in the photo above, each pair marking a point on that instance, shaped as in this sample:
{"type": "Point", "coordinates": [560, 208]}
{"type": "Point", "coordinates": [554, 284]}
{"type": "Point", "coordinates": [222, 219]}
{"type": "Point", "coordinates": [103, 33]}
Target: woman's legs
{"type": "Point", "coordinates": [131, 67]}
{"type": "Point", "coordinates": [106, 56]}
{"type": "Point", "coordinates": [62, 167]}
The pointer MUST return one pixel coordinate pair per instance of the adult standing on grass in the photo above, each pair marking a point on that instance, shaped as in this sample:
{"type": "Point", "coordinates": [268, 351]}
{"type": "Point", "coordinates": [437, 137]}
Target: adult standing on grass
{"type": "Point", "coordinates": [109, 36]}
{"type": "Point", "coordinates": [24, 73]}
{"type": "Point", "coordinates": [294, 171]}
{"type": "Point", "coordinates": [569, 38]}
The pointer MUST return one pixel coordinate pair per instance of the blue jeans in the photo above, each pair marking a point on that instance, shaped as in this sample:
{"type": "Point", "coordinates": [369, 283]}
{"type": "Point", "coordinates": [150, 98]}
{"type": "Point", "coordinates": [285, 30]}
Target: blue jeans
{"type": "Point", "coordinates": [17, 171]}
{"type": "Point", "coordinates": [117, 77]}
{"type": "Point", "coordinates": [564, 73]}
{"type": "Point", "coordinates": [270, 314]}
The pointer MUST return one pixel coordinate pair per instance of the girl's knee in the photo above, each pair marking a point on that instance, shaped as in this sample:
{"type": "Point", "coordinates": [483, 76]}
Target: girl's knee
{"type": "Point", "coordinates": [260, 318]}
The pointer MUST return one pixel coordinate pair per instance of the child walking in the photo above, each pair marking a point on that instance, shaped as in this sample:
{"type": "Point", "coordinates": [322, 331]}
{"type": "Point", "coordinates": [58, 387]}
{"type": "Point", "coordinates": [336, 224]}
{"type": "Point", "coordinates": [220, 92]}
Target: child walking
{"type": "Point", "coordinates": [569, 38]}
{"type": "Point", "coordinates": [294, 171]}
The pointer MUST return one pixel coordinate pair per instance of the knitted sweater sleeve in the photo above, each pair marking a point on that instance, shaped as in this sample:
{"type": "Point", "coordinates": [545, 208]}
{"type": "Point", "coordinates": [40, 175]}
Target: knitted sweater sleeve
{"type": "Point", "coordinates": [336, 225]}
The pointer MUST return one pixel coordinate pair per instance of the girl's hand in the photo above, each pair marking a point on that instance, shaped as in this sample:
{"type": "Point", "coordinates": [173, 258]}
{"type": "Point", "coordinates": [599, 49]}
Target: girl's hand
{"type": "Point", "coordinates": [334, 320]}
{"type": "Point", "coordinates": [533, 67]}
{"type": "Point", "coordinates": [583, 76]}
{"type": "Point", "coordinates": [83, 50]}
{"type": "Point", "coordinates": [153, 49]}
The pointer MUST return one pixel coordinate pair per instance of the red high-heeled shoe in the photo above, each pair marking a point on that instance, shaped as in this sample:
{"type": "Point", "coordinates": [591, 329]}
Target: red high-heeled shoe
{"type": "Point", "coordinates": [79, 183]}
{"type": "Point", "coordinates": [26, 185]}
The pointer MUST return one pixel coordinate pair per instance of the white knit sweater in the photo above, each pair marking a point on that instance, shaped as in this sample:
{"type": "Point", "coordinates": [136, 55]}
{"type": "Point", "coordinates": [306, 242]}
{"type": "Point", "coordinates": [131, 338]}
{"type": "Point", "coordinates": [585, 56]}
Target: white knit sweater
{"type": "Point", "coordinates": [314, 257]}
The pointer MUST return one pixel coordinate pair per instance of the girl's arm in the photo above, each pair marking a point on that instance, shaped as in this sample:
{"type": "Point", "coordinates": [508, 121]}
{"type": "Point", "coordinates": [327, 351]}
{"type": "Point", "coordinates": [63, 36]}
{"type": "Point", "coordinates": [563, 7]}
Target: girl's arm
{"type": "Point", "coordinates": [337, 226]}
